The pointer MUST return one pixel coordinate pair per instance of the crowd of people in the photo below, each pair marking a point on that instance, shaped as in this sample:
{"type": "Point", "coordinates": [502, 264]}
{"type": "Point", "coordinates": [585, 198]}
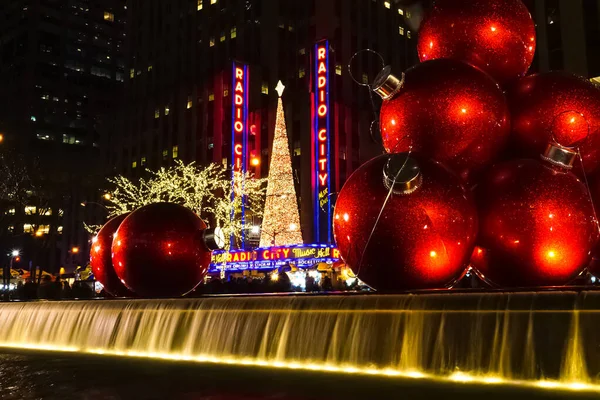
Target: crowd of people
{"type": "Point", "coordinates": [266, 284]}
{"type": "Point", "coordinates": [50, 288]}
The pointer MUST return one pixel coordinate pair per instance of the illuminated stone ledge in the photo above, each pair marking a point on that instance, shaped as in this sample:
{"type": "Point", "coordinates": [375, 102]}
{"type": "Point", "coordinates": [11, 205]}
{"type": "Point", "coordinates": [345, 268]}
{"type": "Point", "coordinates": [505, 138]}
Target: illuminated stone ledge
{"type": "Point", "coordinates": [546, 340]}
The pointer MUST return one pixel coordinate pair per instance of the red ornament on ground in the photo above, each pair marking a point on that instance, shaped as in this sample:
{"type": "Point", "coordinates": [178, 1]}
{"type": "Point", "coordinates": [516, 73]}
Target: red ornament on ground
{"type": "Point", "coordinates": [556, 106]}
{"type": "Point", "coordinates": [159, 250]}
{"type": "Point", "coordinates": [425, 234]}
{"type": "Point", "coordinates": [594, 266]}
{"type": "Point", "coordinates": [536, 224]}
{"type": "Point", "coordinates": [101, 261]}
{"type": "Point", "coordinates": [446, 110]}
{"type": "Point", "coordinates": [497, 36]}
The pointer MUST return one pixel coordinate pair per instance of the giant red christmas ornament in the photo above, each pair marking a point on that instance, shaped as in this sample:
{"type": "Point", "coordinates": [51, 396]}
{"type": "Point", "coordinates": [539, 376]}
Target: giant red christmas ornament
{"type": "Point", "coordinates": [594, 266]}
{"type": "Point", "coordinates": [556, 106]}
{"type": "Point", "coordinates": [420, 237]}
{"type": "Point", "coordinates": [162, 249]}
{"type": "Point", "coordinates": [497, 36]}
{"type": "Point", "coordinates": [536, 224]}
{"type": "Point", "coordinates": [101, 261]}
{"type": "Point", "coordinates": [446, 110]}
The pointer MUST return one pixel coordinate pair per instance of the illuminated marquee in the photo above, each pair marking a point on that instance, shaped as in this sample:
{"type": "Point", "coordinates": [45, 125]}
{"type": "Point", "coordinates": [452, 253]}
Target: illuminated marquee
{"type": "Point", "coordinates": [273, 257]}
{"type": "Point", "coordinates": [239, 128]}
{"type": "Point", "coordinates": [321, 144]}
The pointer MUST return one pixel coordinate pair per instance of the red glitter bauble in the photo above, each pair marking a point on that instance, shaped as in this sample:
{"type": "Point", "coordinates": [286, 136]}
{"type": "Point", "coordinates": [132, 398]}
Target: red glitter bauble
{"type": "Point", "coordinates": [536, 225]}
{"type": "Point", "coordinates": [158, 250]}
{"type": "Point", "coordinates": [424, 235]}
{"type": "Point", "coordinates": [594, 266]}
{"type": "Point", "coordinates": [497, 36]}
{"type": "Point", "coordinates": [556, 106]}
{"type": "Point", "coordinates": [449, 111]}
{"type": "Point", "coordinates": [101, 261]}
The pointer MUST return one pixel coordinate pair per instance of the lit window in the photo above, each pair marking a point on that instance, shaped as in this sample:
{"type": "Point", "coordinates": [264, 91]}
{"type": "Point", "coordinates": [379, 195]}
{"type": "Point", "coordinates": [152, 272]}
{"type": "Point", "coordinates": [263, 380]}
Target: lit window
{"type": "Point", "coordinates": [149, 68]}
{"type": "Point", "coordinates": [265, 88]}
{"type": "Point", "coordinates": [211, 145]}
{"type": "Point", "coordinates": [43, 230]}
{"type": "Point", "coordinates": [33, 118]}
{"type": "Point", "coordinates": [132, 73]}
{"type": "Point", "coordinates": [167, 110]}
{"type": "Point", "coordinates": [45, 97]}
{"type": "Point", "coordinates": [387, 4]}
{"type": "Point", "coordinates": [233, 32]}
{"type": "Point", "coordinates": [211, 97]}
{"type": "Point", "coordinates": [108, 16]}
{"type": "Point", "coordinates": [11, 211]}
{"type": "Point", "coordinates": [297, 151]}
{"type": "Point", "coordinates": [338, 69]}
{"type": "Point", "coordinates": [30, 210]}
{"type": "Point", "coordinates": [189, 102]}
{"type": "Point", "coordinates": [365, 79]}
{"type": "Point", "coordinates": [134, 164]}
{"type": "Point", "coordinates": [27, 228]}
{"type": "Point", "coordinates": [222, 38]}
{"type": "Point", "coordinates": [282, 26]}
{"type": "Point", "coordinates": [199, 5]}
{"type": "Point", "coordinates": [408, 14]}
{"type": "Point", "coordinates": [291, 28]}
{"type": "Point", "coordinates": [47, 213]}
{"type": "Point", "coordinates": [401, 30]}
{"type": "Point", "coordinates": [301, 73]}
{"type": "Point", "coordinates": [225, 92]}
{"type": "Point", "coordinates": [165, 154]}
{"type": "Point", "coordinates": [59, 229]}
{"type": "Point", "coordinates": [11, 228]}
{"type": "Point", "coordinates": [302, 51]}
{"type": "Point", "coordinates": [211, 42]}
{"type": "Point", "coordinates": [408, 34]}
{"type": "Point", "coordinates": [175, 151]}
{"type": "Point", "coordinates": [400, 11]}
{"type": "Point", "coordinates": [143, 161]}
{"type": "Point", "coordinates": [156, 113]}
{"type": "Point", "coordinates": [213, 1]}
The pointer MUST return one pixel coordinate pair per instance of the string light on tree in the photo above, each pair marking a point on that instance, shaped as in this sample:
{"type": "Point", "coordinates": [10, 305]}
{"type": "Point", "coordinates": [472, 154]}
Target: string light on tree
{"type": "Point", "coordinates": [281, 216]}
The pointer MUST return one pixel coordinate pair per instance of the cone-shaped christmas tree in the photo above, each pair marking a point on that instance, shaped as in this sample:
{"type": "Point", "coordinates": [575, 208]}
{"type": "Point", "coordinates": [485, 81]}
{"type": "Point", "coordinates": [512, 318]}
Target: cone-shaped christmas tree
{"type": "Point", "coordinates": [281, 220]}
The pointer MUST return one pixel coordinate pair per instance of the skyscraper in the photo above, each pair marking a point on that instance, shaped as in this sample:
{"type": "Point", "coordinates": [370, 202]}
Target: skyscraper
{"type": "Point", "coordinates": [61, 71]}
{"type": "Point", "coordinates": [568, 35]}
{"type": "Point", "coordinates": [180, 84]}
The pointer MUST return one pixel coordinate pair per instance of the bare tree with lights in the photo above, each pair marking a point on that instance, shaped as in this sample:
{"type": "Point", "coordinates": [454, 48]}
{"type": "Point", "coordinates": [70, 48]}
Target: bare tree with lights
{"type": "Point", "coordinates": [205, 190]}
{"type": "Point", "coordinates": [281, 221]}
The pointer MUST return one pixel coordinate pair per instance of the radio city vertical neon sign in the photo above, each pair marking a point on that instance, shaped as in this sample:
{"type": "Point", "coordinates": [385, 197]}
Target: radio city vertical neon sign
{"type": "Point", "coordinates": [321, 144]}
{"type": "Point", "coordinates": [239, 131]}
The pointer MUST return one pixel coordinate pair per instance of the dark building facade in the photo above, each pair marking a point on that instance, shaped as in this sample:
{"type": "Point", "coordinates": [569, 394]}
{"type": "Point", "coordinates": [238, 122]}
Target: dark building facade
{"type": "Point", "coordinates": [568, 36]}
{"type": "Point", "coordinates": [180, 83]}
{"type": "Point", "coordinates": [61, 72]}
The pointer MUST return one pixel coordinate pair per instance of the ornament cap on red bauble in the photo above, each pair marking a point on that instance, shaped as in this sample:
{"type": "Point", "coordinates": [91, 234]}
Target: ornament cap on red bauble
{"type": "Point", "coordinates": [402, 174]}
{"type": "Point", "coordinates": [405, 222]}
{"type": "Point", "coordinates": [559, 156]}
{"type": "Point", "coordinates": [386, 84]}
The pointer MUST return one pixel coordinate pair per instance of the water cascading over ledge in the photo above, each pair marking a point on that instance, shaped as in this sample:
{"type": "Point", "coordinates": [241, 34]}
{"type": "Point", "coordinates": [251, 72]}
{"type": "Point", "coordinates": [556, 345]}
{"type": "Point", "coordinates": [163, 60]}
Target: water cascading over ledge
{"type": "Point", "coordinates": [548, 339]}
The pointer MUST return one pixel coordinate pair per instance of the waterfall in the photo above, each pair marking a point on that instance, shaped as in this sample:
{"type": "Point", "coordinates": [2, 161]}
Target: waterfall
{"type": "Point", "coordinates": [547, 339]}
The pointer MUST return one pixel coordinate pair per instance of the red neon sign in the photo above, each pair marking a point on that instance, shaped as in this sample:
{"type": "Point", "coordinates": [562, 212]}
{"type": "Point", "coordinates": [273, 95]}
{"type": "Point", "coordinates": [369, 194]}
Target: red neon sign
{"type": "Point", "coordinates": [239, 117]}
{"type": "Point", "coordinates": [322, 113]}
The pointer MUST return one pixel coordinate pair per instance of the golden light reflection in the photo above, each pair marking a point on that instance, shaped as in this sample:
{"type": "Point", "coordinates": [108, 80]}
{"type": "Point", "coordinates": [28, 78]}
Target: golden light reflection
{"type": "Point", "coordinates": [461, 377]}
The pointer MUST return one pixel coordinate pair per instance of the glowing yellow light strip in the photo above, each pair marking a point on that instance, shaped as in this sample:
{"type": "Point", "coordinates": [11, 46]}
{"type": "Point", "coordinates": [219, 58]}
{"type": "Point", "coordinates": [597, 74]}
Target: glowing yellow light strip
{"type": "Point", "coordinates": [457, 377]}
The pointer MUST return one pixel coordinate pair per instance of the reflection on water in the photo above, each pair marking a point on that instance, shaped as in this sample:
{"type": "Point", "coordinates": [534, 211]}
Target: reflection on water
{"type": "Point", "coordinates": [547, 340]}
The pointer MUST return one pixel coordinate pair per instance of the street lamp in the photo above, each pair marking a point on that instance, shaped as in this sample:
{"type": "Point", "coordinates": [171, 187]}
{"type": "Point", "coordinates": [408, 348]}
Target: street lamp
{"type": "Point", "coordinates": [1, 138]}
{"type": "Point", "coordinates": [107, 196]}
{"type": "Point", "coordinates": [15, 253]}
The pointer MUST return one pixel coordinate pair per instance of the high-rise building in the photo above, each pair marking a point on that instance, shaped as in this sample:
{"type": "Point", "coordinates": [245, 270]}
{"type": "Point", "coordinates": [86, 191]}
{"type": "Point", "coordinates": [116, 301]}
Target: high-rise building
{"type": "Point", "coordinates": [181, 87]}
{"type": "Point", "coordinates": [568, 35]}
{"type": "Point", "coordinates": [61, 72]}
